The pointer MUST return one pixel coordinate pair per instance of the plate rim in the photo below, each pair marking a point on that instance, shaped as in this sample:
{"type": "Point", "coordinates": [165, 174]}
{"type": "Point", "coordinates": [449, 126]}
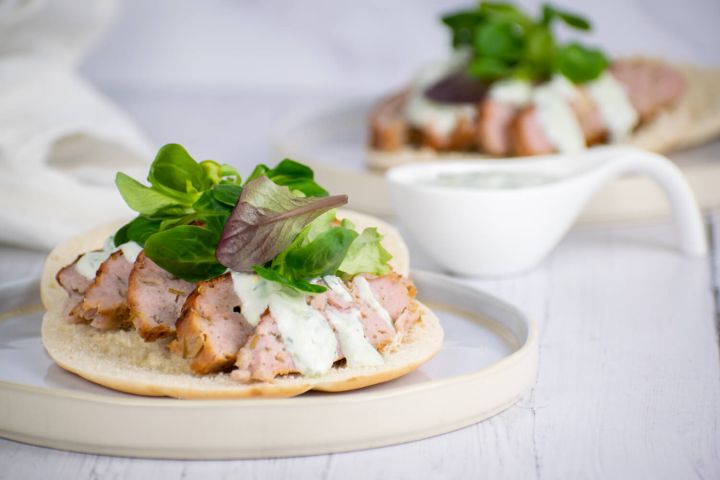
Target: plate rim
{"type": "Point", "coordinates": [522, 360]}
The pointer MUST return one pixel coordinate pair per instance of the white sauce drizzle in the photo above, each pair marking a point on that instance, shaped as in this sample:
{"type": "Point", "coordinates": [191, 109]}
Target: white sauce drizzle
{"type": "Point", "coordinates": [442, 118]}
{"type": "Point", "coordinates": [366, 295]}
{"type": "Point", "coordinates": [612, 100]}
{"type": "Point", "coordinates": [556, 116]}
{"type": "Point", "coordinates": [131, 250]}
{"type": "Point", "coordinates": [358, 351]}
{"type": "Point", "coordinates": [254, 292]}
{"type": "Point", "coordinates": [517, 93]}
{"type": "Point", "coordinates": [305, 332]}
{"type": "Point", "coordinates": [337, 287]}
{"type": "Point", "coordinates": [88, 264]}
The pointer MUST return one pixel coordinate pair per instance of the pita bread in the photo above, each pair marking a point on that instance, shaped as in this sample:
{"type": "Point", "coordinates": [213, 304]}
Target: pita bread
{"type": "Point", "coordinates": [121, 360]}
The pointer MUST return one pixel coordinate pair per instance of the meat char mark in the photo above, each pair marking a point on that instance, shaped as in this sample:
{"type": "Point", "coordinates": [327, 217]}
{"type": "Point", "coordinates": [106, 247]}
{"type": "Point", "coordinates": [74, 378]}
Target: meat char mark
{"type": "Point", "coordinates": [155, 298]}
{"type": "Point", "coordinates": [211, 329]}
{"type": "Point", "coordinates": [104, 305]}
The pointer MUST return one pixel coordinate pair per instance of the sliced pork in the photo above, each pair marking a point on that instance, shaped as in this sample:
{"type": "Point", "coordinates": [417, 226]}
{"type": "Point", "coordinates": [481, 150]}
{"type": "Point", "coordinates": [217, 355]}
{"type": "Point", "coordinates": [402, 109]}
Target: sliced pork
{"type": "Point", "coordinates": [652, 86]}
{"type": "Point", "coordinates": [527, 135]}
{"type": "Point", "coordinates": [493, 127]}
{"type": "Point", "coordinates": [461, 139]}
{"type": "Point", "coordinates": [155, 298]}
{"type": "Point", "coordinates": [396, 294]}
{"type": "Point", "coordinates": [211, 329]}
{"type": "Point", "coordinates": [591, 121]}
{"type": "Point", "coordinates": [104, 305]}
{"type": "Point", "coordinates": [265, 356]}
{"type": "Point", "coordinates": [388, 127]}
{"type": "Point", "coordinates": [75, 284]}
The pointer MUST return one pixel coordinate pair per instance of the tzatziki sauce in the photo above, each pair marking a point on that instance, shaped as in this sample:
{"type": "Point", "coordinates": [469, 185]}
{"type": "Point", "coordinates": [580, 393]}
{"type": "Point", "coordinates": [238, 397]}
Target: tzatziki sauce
{"type": "Point", "coordinates": [517, 93]}
{"type": "Point", "coordinates": [558, 121]}
{"type": "Point", "coordinates": [366, 295]}
{"type": "Point", "coordinates": [88, 264]}
{"type": "Point", "coordinates": [492, 179]}
{"type": "Point", "coordinates": [614, 104]}
{"type": "Point", "coordinates": [357, 349]}
{"type": "Point", "coordinates": [306, 332]}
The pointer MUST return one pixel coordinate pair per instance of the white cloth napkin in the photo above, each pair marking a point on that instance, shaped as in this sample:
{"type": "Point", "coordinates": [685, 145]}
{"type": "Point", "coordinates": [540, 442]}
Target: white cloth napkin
{"type": "Point", "coordinates": [61, 141]}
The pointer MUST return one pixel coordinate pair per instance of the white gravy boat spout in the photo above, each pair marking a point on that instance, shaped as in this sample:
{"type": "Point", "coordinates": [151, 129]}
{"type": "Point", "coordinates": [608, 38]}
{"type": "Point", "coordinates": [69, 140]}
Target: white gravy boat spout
{"type": "Point", "coordinates": [499, 217]}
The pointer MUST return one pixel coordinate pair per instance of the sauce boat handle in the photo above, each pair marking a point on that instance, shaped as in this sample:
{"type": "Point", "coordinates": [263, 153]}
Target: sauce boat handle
{"type": "Point", "coordinates": [686, 213]}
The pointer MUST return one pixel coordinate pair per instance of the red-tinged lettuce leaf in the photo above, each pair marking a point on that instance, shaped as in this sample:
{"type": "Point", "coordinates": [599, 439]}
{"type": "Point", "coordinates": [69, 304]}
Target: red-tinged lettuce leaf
{"type": "Point", "coordinates": [265, 221]}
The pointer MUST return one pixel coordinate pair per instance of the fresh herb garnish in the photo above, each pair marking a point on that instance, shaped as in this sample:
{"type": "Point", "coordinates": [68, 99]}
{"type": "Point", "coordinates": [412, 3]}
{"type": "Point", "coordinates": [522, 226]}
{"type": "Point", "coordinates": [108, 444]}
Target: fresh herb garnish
{"type": "Point", "coordinates": [288, 173]}
{"type": "Point", "coordinates": [197, 219]}
{"type": "Point", "coordinates": [183, 211]}
{"type": "Point", "coordinates": [326, 247]}
{"type": "Point", "coordinates": [265, 221]}
{"type": "Point", "coordinates": [504, 42]}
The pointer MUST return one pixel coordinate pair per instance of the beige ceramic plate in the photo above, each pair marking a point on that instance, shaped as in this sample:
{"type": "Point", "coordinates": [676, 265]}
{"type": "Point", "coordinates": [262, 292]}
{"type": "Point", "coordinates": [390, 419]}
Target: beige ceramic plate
{"type": "Point", "coordinates": [488, 360]}
{"type": "Point", "coordinates": [332, 138]}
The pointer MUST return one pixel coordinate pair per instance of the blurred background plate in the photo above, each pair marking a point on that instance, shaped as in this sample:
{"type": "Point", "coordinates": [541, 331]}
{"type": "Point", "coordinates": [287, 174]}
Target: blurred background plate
{"type": "Point", "coordinates": [333, 139]}
{"type": "Point", "coordinates": [488, 360]}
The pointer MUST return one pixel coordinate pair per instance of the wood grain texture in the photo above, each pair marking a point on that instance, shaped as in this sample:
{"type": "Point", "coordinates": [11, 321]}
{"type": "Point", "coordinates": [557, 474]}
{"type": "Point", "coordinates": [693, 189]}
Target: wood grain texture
{"type": "Point", "coordinates": [628, 384]}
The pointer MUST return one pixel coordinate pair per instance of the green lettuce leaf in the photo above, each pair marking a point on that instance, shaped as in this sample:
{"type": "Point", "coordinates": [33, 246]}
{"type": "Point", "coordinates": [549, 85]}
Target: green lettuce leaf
{"type": "Point", "coordinates": [299, 285]}
{"type": "Point", "coordinates": [291, 174]}
{"type": "Point", "coordinates": [144, 200]}
{"type": "Point", "coordinates": [184, 210]}
{"type": "Point", "coordinates": [327, 247]}
{"type": "Point", "coordinates": [505, 42]}
{"type": "Point", "coordinates": [366, 255]}
{"type": "Point", "coordinates": [186, 251]}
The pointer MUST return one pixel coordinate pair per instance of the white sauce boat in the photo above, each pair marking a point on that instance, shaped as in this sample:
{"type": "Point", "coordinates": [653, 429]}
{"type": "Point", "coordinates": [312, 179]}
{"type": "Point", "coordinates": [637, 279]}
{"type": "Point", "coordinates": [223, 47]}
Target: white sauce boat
{"type": "Point", "coordinates": [504, 229]}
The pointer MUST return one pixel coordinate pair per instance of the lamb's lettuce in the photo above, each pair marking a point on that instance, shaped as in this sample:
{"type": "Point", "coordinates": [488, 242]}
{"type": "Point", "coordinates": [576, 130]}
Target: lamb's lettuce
{"type": "Point", "coordinates": [505, 42]}
{"type": "Point", "coordinates": [183, 210]}
{"type": "Point", "coordinates": [196, 219]}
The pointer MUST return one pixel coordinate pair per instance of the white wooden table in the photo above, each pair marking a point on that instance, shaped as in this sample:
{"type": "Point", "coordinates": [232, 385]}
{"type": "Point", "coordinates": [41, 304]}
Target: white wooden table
{"type": "Point", "coordinates": [629, 377]}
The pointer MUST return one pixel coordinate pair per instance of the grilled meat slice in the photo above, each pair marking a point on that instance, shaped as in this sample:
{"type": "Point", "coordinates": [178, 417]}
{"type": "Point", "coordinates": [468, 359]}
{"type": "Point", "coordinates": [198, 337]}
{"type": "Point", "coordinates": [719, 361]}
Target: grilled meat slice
{"type": "Point", "coordinates": [155, 298]}
{"type": "Point", "coordinates": [461, 139]}
{"type": "Point", "coordinates": [652, 86]}
{"type": "Point", "coordinates": [493, 127]}
{"type": "Point", "coordinates": [265, 356]}
{"type": "Point", "coordinates": [104, 305]}
{"type": "Point", "coordinates": [75, 284]}
{"type": "Point", "coordinates": [388, 127]}
{"type": "Point", "coordinates": [211, 329]}
{"type": "Point", "coordinates": [528, 137]}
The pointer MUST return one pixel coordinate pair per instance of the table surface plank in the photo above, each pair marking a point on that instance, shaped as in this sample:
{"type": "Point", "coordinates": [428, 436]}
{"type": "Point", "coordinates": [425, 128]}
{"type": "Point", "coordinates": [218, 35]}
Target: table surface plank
{"type": "Point", "coordinates": [628, 384]}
